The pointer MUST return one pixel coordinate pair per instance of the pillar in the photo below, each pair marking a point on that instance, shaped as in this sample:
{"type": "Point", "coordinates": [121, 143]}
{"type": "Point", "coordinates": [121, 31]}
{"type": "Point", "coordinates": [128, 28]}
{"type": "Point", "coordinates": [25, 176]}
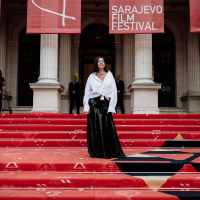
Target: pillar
{"type": "Point", "coordinates": [129, 68]}
{"type": "Point", "coordinates": [143, 58]}
{"type": "Point", "coordinates": [75, 59]}
{"type": "Point", "coordinates": [65, 70]}
{"type": "Point", "coordinates": [13, 80]}
{"type": "Point", "coordinates": [193, 65]}
{"type": "Point", "coordinates": [8, 55]}
{"type": "Point", "coordinates": [48, 58]}
{"type": "Point", "coordinates": [179, 89]}
{"type": "Point", "coordinates": [119, 59]}
{"type": "Point", "coordinates": [191, 101]}
{"type": "Point", "coordinates": [47, 91]}
{"type": "Point", "coordinates": [185, 57]}
{"type": "Point", "coordinates": [3, 43]}
{"type": "Point", "coordinates": [144, 92]}
{"type": "Point", "coordinates": [129, 59]}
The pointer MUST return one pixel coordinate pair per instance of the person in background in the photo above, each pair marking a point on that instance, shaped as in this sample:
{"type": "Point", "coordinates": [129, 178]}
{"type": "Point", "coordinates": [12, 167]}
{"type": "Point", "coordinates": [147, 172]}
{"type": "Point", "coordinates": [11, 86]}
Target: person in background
{"type": "Point", "coordinates": [120, 91]}
{"type": "Point", "coordinates": [2, 83]}
{"type": "Point", "coordinates": [74, 94]}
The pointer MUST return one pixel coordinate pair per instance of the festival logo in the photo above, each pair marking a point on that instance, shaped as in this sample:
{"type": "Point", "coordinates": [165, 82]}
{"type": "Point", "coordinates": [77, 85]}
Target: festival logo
{"type": "Point", "coordinates": [194, 16]}
{"type": "Point", "coordinates": [133, 16]}
{"type": "Point", "coordinates": [54, 16]}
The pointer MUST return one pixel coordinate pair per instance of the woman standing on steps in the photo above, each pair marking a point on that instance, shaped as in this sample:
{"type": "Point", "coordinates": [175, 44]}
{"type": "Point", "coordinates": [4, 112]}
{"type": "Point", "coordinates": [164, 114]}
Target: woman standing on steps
{"type": "Point", "coordinates": [99, 103]}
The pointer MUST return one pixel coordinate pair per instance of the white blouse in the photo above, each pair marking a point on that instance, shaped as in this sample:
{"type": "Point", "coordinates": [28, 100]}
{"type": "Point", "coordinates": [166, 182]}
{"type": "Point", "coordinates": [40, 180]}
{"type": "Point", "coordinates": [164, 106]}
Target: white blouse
{"type": "Point", "coordinates": [95, 87]}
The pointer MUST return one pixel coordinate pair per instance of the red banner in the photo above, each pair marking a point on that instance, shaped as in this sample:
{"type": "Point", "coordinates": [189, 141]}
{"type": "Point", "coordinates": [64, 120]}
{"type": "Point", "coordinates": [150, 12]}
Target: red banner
{"type": "Point", "coordinates": [136, 16]}
{"type": "Point", "coordinates": [54, 16]}
{"type": "Point", "coordinates": [195, 16]}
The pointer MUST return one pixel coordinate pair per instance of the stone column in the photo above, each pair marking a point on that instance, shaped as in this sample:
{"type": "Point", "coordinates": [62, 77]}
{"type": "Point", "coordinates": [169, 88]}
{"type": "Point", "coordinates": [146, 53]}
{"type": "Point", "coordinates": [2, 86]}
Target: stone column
{"type": "Point", "coordinates": [129, 59]}
{"type": "Point", "coordinates": [119, 60]}
{"type": "Point", "coordinates": [13, 84]}
{"type": "Point", "coordinates": [8, 55]}
{"type": "Point", "coordinates": [129, 67]}
{"type": "Point", "coordinates": [65, 69]}
{"type": "Point", "coordinates": [179, 90]}
{"type": "Point", "coordinates": [144, 92]}
{"type": "Point", "coordinates": [75, 59]}
{"type": "Point", "coordinates": [143, 58]}
{"type": "Point", "coordinates": [185, 56]}
{"type": "Point", "coordinates": [48, 58]}
{"type": "Point", "coordinates": [3, 43]}
{"type": "Point", "coordinates": [193, 65]}
{"type": "Point", "coordinates": [191, 101]}
{"type": "Point", "coordinates": [47, 91]}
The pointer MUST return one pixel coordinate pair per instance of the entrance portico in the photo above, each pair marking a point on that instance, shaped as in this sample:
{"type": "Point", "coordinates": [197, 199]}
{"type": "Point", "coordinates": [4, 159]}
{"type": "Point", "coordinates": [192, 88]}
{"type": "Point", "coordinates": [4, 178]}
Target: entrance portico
{"type": "Point", "coordinates": [127, 59]}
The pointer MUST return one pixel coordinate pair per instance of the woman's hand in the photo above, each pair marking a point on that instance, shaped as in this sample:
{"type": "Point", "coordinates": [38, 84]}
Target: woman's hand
{"type": "Point", "coordinates": [87, 112]}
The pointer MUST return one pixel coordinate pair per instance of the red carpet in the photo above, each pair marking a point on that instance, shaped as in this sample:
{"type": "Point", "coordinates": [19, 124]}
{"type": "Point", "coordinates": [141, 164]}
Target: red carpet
{"type": "Point", "coordinates": [44, 156]}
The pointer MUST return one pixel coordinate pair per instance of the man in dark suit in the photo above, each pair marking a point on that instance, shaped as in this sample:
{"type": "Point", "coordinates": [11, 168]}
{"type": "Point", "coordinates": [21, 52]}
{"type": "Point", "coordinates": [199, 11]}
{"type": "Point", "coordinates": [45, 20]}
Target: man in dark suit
{"type": "Point", "coordinates": [120, 91]}
{"type": "Point", "coordinates": [74, 94]}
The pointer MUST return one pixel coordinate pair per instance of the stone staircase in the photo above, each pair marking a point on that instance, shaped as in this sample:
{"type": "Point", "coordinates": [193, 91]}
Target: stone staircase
{"type": "Point", "coordinates": [44, 156]}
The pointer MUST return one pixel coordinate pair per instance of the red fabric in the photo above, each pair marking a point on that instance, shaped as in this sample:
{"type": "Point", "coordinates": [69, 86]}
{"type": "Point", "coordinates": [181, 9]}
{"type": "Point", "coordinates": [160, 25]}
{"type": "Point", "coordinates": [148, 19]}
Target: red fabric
{"type": "Point", "coordinates": [117, 116]}
{"type": "Point", "coordinates": [47, 136]}
{"type": "Point", "coordinates": [71, 143]}
{"type": "Point", "coordinates": [78, 159]}
{"type": "Point", "coordinates": [194, 16]}
{"type": "Point", "coordinates": [53, 130]}
{"type": "Point", "coordinates": [162, 122]}
{"type": "Point", "coordinates": [82, 135]}
{"type": "Point", "coordinates": [133, 16]}
{"type": "Point", "coordinates": [85, 195]}
{"type": "Point", "coordinates": [153, 128]}
{"type": "Point", "coordinates": [50, 16]}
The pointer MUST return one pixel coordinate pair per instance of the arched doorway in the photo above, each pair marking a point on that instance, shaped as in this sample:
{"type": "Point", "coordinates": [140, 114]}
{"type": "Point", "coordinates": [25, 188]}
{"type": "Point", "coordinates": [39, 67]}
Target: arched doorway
{"type": "Point", "coordinates": [29, 65]}
{"type": "Point", "coordinates": [95, 41]}
{"type": "Point", "coordinates": [163, 57]}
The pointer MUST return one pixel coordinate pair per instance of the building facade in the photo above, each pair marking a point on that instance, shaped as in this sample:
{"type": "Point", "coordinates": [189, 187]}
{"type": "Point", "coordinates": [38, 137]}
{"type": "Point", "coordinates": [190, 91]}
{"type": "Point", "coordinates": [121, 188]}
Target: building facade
{"type": "Point", "coordinates": [159, 70]}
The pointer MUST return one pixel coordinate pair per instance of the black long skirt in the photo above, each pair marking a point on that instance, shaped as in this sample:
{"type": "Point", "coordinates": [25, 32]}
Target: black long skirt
{"type": "Point", "coordinates": [102, 138]}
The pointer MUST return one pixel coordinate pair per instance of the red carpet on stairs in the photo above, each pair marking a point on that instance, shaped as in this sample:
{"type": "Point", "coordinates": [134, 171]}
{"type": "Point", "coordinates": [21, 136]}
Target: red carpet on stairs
{"type": "Point", "coordinates": [44, 156]}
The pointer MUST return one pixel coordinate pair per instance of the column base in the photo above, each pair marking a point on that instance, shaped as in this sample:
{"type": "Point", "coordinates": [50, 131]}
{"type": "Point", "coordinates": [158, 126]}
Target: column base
{"type": "Point", "coordinates": [191, 103]}
{"type": "Point", "coordinates": [144, 98]}
{"type": "Point", "coordinates": [145, 111]}
{"type": "Point", "coordinates": [46, 97]}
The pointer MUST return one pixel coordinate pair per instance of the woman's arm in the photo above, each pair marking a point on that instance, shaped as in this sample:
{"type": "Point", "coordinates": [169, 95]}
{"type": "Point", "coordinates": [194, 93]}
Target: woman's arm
{"type": "Point", "coordinates": [87, 96]}
{"type": "Point", "coordinates": [113, 99]}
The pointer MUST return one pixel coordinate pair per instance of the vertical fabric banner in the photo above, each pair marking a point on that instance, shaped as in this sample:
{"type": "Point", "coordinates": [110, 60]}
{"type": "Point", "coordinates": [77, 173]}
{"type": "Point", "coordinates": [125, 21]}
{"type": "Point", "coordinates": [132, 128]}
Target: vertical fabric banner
{"type": "Point", "coordinates": [54, 16]}
{"type": "Point", "coordinates": [136, 16]}
{"type": "Point", "coordinates": [195, 16]}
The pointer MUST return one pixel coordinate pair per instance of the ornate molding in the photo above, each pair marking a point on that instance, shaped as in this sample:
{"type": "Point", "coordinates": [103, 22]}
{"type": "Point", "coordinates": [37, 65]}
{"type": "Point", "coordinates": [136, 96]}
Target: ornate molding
{"type": "Point", "coordinates": [18, 29]}
{"type": "Point", "coordinates": [174, 29]}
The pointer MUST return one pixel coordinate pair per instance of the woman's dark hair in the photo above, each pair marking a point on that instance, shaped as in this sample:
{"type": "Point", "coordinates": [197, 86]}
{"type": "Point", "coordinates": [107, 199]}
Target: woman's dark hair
{"type": "Point", "coordinates": [95, 66]}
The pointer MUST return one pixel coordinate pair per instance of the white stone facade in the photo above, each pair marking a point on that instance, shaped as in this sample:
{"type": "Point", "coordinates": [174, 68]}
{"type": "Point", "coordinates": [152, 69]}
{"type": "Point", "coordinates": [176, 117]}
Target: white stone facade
{"type": "Point", "coordinates": [131, 61]}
